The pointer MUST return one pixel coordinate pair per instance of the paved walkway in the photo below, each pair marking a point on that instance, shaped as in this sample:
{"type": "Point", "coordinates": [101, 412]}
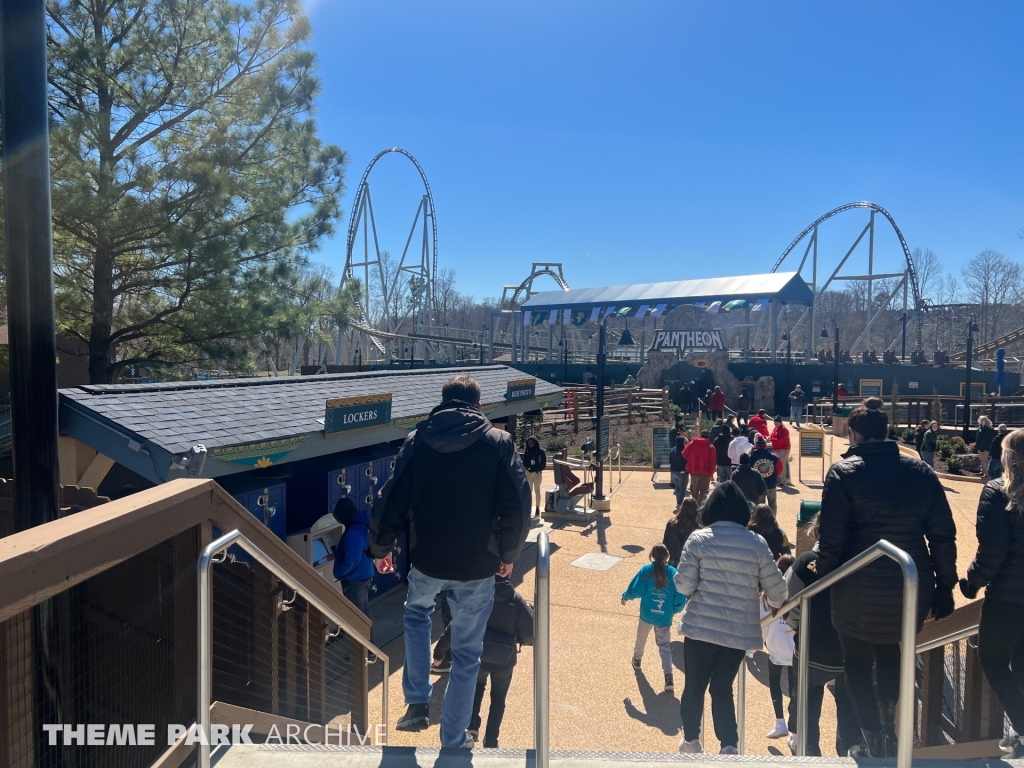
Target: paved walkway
{"type": "Point", "coordinates": [598, 701]}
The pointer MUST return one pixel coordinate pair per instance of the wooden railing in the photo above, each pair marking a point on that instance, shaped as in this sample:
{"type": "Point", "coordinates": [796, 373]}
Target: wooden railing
{"type": "Point", "coordinates": [146, 546]}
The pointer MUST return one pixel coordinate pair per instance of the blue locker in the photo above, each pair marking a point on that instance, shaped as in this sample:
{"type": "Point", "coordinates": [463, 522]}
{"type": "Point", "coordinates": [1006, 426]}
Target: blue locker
{"type": "Point", "coordinates": [267, 505]}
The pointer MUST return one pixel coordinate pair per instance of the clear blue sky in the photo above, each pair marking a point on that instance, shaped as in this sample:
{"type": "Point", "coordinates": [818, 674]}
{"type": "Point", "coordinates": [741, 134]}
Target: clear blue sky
{"type": "Point", "coordinates": [641, 141]}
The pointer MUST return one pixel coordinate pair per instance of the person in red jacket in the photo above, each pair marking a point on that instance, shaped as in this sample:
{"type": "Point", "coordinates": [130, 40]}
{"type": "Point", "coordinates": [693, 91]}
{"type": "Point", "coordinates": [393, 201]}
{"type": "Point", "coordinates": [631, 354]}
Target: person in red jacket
{"type": "Point", "coordinates": [781, 446]}
{"type": "Point", "coordinates": [700, 464]}
{"type": "Point", "coordinates": [760, 422]}
{"type": "Point", "coordinates": [717, 404]}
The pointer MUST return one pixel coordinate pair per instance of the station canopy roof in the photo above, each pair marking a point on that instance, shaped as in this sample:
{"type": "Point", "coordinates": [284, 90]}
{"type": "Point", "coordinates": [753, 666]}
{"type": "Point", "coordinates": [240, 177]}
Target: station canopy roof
{"type": "Point", "coordinates": [641, 299]}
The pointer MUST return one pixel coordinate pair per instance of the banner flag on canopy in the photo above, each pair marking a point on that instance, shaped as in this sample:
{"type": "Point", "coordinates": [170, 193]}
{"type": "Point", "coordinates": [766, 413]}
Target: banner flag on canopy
{"type": "Point", "coordinates": [759, 306]}
{"type": "Point", "coordinates": [579, 317]}
{"type": "Point", "coordinates": [526, 317]}
{"type": "Point", "coordinates": [729, 306]}
{"type": "Point", "coordinates": [609, 312]}
{"type": "Point", "coordinates": [552, 317]}
{"type": "Point", "coordinates": [700, 303]}
{"type": "Point", "coordinates": [659, 310]}
{"type": "Point", "coordinates": [624, 312]}
{"type": "Point", "coordinates": [566, 316]}
{"type": "Point", "coordinates": [714, 307]}
{"type": "Point", "coordinates": [595, 314]}
{"type": "Point", "coordinates": [538, 317]}
{"type": "Point", "coordinates": [642, 312]}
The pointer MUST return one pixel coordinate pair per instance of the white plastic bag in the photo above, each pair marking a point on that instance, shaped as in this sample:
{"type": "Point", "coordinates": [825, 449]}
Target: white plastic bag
{"type": "Point", "coordinates": [779, 638]}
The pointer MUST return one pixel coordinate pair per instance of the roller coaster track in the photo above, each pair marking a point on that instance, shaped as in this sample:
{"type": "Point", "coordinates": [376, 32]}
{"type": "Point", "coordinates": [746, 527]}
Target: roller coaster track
{"type": "Point", "coordinates": [918, 300]}
{"type": "Point", "coordinates": [991, 346]}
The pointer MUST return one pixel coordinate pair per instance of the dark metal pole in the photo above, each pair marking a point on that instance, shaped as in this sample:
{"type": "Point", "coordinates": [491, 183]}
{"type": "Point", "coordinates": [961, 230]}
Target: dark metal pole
{"type": "Point", "coordinates": [33, 345]}
{"type": "Point", "coordinates": [26, 178]}
{"type": "Point", "coordinates": [602, 351]}
{"type": "Point", "coordinates": [835, 386]}
{"type": "Point", "coordinates": [967, 379]}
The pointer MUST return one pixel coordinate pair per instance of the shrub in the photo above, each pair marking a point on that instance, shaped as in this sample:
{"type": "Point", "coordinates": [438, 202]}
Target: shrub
{"type": "Point", "coordinates": [960, 448]}
{"type": "Point", "coordinates": [955, 465]}
{"type": "Point", "coordinates": [555, 444]}
{"type": "Point", "coordinates": [908, 436]}
{"type": "Point", "coordinates": [956, 440]}
{"type": "Point", "coordinates": [636, 451]}
{"type": "Point", "coordinates": [672, 409]}
{"type": "Point", "coordinates": [945, 451]}
{"type": "Point", "coordinates": [893, 434]}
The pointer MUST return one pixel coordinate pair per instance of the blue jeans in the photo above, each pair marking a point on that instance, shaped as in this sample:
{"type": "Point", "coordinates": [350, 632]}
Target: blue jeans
{"type": "Point", "coordinates": [679, 482]}
{"type": "Point", "coordinates": [796, 414]}
{"type": "Point", "coordinates": [471, 603]}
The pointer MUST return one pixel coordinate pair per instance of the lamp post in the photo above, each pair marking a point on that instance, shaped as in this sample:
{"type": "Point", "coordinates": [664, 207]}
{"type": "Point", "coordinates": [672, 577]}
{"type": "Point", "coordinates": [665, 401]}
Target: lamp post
{"type": "Point", "coordinates": [903, 351]}
{"type": "Point", "coordinates": [602, 351]}
{"type": "Point", "coordinates": [971, 328]}
{"type": "Point", "coordinates": [835, 371]}
{"type": "Point", "coordinates": [565, 361]}
{"type": "Point", "coordinates": [789, 344]}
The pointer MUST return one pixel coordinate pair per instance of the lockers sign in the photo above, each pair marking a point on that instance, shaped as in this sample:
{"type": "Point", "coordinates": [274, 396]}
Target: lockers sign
{"type": "Point", "coordinates": [520, 390]}
{"type": "Point", "coordinates": [348, 415]}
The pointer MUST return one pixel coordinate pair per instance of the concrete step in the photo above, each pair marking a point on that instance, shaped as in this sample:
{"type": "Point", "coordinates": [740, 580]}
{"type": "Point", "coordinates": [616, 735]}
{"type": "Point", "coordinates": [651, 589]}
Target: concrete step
{"type": "Point", "coordinates": [317, 756]}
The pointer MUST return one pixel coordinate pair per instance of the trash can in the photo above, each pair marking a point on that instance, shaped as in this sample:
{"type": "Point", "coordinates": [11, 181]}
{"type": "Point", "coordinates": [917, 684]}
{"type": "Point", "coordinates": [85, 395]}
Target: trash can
{"type": "Point", "coordinates": [840, 420]}
{"type": "Point", "coordinates": [808, 509]}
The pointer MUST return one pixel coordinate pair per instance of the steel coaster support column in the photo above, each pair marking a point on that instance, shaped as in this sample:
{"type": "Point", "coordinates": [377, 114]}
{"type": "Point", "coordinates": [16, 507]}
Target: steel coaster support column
{"type": "Point", "coordinates": [814, 290]}
{"type": "Point", "coordinates": [774, 308]}
{"type": "Point", "coordinates": [874, 317]}
{"type": "Point", "coordinates": [871, 264]}
{"type": "Point", "coordinates": [746, 334]}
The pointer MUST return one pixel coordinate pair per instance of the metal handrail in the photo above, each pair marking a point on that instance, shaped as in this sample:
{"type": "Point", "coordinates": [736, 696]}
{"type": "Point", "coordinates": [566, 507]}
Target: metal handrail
{"type": "Point", "coordinates": [953, 637]}
{"type": "Point", "coordinates": [205, 655]}
{"type": "Point", "coordinates": [908, 648]}
{"type": "Point", "coordinates": [542, 653]}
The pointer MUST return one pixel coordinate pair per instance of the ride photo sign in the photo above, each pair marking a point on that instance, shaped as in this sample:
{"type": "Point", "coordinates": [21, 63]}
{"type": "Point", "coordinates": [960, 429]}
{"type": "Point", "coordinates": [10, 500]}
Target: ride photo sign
{"type": "Point", "coordinates": [684, 340]}
{"type": "Point", "coordinates": [346, 415]}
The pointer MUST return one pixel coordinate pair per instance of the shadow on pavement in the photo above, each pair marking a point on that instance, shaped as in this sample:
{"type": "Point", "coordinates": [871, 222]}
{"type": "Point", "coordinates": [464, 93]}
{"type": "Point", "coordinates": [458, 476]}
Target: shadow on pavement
{"type": "Point", "coordinates": [661, 710]}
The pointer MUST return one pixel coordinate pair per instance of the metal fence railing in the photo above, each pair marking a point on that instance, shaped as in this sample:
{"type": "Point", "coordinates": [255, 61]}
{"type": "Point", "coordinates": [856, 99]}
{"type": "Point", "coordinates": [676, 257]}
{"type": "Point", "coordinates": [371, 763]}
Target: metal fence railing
{"type": "Point", "coordinates": [907, 702]}
{"type": "Point", "coordinates": [306, 667]}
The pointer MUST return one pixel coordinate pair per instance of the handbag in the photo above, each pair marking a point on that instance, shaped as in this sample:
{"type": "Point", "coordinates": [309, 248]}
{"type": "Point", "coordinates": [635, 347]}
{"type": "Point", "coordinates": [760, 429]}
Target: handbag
{"type": "Point", "coordinates": [499, 648]}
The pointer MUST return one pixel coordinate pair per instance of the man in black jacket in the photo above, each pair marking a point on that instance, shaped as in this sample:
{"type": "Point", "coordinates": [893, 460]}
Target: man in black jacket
{"type": "Point", "coordinates": [749, 482]}
{"type": "Point", "coordinates": [878, 493]}
{"type": "Point", "coordinates": [460, 488]}
{"type": "Point", "coordinates": [722, 461]}
{"type": "Point", "coordinates": [510, 625]}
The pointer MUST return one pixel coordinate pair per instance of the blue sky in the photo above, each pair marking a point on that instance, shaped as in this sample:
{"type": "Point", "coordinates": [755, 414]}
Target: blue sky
{"type": "Point", "coordinates": [648, 141]}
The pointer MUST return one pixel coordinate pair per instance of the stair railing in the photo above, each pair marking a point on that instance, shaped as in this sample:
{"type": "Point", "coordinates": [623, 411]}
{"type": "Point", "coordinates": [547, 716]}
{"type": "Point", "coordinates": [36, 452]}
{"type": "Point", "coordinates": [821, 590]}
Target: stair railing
{"type": "Point", "coordinates": [204, 687]}
{"type": "Point", "coordinates": [542, 653]}
{"type": "Point", "coordinates": [908, 649]}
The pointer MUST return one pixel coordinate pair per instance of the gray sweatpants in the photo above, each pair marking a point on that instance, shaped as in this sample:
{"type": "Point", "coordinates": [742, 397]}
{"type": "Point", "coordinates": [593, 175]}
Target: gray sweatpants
{"type": "Point", "coordinates": [662, 636]}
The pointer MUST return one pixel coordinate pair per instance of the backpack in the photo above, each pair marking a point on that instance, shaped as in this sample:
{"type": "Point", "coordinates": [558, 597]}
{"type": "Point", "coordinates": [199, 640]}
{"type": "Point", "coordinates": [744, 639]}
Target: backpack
{"type": "Point", "coordinates": [779, 638]}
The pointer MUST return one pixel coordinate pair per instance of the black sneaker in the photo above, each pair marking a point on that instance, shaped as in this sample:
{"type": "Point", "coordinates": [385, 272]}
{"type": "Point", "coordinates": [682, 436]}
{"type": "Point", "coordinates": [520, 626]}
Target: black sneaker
{"type": "Point", "coordinates": [1017, 753]}
{"type": "Point", "coordinates": [669, 684]}
{"type": "Point", "coordinates": [416, 718]}
{"type": "Point", "coordinates": [636, 663]}
{"type": "Point", "coordinates": [440, 669]}
{"type": "Point", "coordinates": [1007, 743]}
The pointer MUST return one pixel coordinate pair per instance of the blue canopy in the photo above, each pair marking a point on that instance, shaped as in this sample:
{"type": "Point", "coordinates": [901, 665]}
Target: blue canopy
{"type": "Point", "coordinates": [785, 287]}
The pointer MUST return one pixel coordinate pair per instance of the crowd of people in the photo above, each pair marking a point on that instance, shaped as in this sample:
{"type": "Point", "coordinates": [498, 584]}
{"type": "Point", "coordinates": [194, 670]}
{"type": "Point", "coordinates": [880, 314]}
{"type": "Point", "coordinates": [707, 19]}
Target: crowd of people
{"type": "Point", "coordinates": [724, 564]}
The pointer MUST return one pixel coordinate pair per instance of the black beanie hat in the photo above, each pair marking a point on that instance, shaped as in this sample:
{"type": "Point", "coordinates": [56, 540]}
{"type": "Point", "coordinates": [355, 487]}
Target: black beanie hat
{"type": "Point", "coordinates": [726, 504]}
{"type": "Point", "coordinates": [344, 510]}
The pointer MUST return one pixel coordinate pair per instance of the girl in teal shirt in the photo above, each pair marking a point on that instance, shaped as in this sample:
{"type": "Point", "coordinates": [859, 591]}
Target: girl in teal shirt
{"type": "Point", "coordinates": [659, 602]}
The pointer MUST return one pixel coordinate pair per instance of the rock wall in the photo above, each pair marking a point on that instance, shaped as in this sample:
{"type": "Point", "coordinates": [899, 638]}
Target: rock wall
{"type": "Point", "coordinates": [649, 377]}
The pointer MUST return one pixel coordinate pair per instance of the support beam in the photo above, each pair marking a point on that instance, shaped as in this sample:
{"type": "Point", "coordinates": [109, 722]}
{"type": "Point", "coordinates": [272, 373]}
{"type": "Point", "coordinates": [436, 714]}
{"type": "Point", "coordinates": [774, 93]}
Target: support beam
{"type": "Point", "coordinates": [96, 471]}
{"type": "Point", "coordinates": [874, 317]}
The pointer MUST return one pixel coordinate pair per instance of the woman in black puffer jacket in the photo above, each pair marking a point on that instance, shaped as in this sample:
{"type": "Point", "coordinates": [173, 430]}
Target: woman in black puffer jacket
{"type": "Point", "coordinates": [878, 493]}
{"type": "Point", "coordinates": [999, 567]}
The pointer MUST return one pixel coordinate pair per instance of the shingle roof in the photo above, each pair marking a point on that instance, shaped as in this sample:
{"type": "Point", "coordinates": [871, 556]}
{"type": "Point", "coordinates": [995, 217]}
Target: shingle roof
{"type": "Point", "coordinates": [783, 285]}
{"type": "Point", "coordinates": [175, 416]}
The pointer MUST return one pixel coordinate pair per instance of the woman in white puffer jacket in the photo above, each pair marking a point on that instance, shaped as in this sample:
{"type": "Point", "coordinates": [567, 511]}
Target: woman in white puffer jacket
{"type": "Point", "coordinates": [723, 568]}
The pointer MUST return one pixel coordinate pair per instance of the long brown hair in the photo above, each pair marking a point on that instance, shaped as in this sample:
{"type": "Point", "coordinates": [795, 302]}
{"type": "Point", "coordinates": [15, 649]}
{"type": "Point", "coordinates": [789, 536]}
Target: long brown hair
{"type": "Point", "coordinates": [1013, 469]}
{"type": "Point", "coordinates": [762, 515]}
{"type": "Point", "coordinates": [686, 517]}
{"type": "Point", "coordinates": [659, 556]}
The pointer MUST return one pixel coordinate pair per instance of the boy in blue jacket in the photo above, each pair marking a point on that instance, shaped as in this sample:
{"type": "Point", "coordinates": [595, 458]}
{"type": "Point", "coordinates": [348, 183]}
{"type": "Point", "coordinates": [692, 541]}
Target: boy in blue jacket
{"type": "Point", "coordinates": [353, 567]}
{"type": "Point", "coordinates": [659, 601]}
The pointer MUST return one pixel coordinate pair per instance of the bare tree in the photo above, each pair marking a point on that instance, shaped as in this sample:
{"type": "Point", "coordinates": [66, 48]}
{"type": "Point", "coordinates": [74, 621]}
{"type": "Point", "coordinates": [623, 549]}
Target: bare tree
{"type": "Point", "coordinates": [929, 272]}
{"type": "Point", "coordinates": [991, 281]}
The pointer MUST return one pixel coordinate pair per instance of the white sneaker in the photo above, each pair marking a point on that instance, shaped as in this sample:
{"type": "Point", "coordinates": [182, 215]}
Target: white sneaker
{"type": "Point", "coordinates": [791, 743]}
{"type": "Point", "coordinates": [778, 731]}
{"type": "Point", "coordinates": [690, 747]}
{"type": "Point", "coordinates": [728, 751]}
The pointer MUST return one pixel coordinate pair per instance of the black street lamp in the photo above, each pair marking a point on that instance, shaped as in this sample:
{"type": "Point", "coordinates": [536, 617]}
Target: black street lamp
{"type": "Point", "coordinates": [789, 345]}
{"type": "Point", "coordinates": [971, 328]}
{"type": "Point", "coordinates": [835, 371]}
{"type": "Point", "coordinates": [602, 352]}
{"type": "Point", "coordinates": [565, 361]}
